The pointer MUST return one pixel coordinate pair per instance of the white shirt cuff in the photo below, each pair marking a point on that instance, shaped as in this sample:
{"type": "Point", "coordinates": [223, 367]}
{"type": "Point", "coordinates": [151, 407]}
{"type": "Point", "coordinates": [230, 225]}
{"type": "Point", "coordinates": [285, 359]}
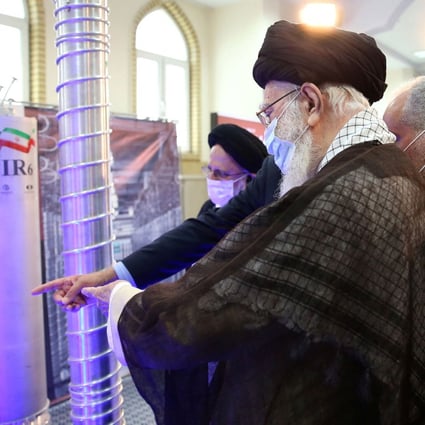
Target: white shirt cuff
{"type": "Point", "coordinates": [123, 273]}
{"type": "Point", "coordinates": [120, 295]}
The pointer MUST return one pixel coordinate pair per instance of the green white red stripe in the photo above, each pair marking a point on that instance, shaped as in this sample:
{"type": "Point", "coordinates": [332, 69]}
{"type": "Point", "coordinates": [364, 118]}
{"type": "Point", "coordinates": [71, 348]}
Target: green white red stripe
{"type": "Point", "coordinates": [16, 139]}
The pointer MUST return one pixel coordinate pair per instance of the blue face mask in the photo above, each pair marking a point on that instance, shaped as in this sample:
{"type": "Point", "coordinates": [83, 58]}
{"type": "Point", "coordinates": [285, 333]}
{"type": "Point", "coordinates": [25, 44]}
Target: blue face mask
{"type": "Point", "coordinates": [282, 150]}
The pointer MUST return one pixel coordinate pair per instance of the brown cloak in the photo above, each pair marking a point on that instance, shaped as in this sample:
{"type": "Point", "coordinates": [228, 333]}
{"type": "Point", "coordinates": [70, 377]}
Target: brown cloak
{"type": "Point", "coordinates": [314, 306]}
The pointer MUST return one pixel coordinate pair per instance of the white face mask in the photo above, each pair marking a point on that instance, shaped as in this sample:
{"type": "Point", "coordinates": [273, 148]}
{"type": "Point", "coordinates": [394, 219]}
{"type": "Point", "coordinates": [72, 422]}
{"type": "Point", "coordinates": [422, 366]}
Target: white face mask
{"type": "Point", "coordinates": [222, 191]}
{"type": "Point", "coordinates": [415, 139]}
{"type": "Point", "coordinates": [282, 150]}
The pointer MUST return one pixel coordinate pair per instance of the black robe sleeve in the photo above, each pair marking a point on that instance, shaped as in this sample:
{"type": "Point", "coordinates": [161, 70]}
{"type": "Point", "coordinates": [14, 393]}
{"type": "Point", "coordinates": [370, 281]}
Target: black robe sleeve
{"type": "Point", "coordinates": [316, 300]}
{"type": "Point", "coordinates": [181, 247]}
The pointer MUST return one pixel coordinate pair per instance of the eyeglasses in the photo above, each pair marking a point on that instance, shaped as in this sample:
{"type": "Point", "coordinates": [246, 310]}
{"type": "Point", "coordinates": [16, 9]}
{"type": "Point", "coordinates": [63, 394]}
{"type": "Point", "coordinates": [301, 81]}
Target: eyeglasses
{"type": "Point", "coordinates": [219, 174]}
{"type": "Point", "coordinates": [263, 116]}
{"type": "Point", "coordinates": [415, 139]}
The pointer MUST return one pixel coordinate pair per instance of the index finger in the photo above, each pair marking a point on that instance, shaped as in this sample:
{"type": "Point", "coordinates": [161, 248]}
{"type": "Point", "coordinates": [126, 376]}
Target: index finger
{"type": "Point", "coordinates": [49, 286]}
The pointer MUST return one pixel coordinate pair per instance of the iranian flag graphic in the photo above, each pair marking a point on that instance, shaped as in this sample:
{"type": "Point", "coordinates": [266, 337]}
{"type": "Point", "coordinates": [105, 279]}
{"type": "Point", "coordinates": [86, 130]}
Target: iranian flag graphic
{"type": "Point", "coordinates": [16, 139]}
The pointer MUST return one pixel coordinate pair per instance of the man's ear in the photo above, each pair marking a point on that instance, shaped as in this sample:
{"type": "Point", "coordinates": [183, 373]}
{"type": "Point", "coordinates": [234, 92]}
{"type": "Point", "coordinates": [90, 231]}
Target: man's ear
{"type": "Point", "coordinates": [314, 102]}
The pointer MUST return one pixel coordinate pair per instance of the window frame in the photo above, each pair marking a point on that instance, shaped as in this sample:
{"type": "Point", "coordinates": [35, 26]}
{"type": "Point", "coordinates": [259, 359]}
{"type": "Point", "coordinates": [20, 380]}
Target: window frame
{"type": "Point", "coordinates": [194, 60]}
{"type": "Point", "coordinates": [22, 25]}
{"type": "Point", "coordinates": [162, 62]}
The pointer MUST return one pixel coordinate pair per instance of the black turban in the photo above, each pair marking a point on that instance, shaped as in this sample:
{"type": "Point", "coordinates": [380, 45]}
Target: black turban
{"type": "Point", "coordinates": [297, 53]}
{"type": "Point", "coordinates": [245, 148]}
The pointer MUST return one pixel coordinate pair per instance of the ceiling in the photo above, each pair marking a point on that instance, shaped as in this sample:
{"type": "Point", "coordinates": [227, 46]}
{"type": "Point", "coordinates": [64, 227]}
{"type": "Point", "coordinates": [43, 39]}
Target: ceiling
{"type": "Point", "coordinates": [397, 25]}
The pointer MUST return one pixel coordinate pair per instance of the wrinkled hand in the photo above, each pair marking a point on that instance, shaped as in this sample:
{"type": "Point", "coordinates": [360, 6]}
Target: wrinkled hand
{"type": "Point", "coordinates": [68, 289]}
{"type": "Point", "coordinates": [100, 295]}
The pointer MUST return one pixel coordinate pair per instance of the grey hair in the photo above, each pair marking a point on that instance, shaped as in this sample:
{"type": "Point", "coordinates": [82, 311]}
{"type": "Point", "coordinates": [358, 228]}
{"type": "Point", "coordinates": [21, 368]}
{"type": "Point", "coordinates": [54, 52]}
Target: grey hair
{"type": "Point", "coordinates": [413, 112]}
{"type": "Point", "coordinates": [344, 98]}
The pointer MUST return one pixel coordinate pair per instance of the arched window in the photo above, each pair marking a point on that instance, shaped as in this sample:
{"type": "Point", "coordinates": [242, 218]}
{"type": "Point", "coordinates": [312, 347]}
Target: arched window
{"type": "Point", "coordinates": [14, 70]}
{"type": "Point", "coordinates": [163, 73]}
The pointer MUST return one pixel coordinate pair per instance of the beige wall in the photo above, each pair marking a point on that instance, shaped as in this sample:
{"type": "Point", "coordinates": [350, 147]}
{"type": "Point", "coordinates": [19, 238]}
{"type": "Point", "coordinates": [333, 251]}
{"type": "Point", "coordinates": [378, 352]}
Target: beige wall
{"type": "Point", "coordinates": [122, 26]}
{"type": "Point", "coordinates": [193, 193]}
{"type": "Point", "coordinates": [229, 39]}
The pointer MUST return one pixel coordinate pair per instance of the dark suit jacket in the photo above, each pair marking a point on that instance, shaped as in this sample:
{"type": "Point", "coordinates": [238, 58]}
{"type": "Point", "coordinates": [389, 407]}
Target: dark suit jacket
{"type": "Point", "coordinates": [181, 247]}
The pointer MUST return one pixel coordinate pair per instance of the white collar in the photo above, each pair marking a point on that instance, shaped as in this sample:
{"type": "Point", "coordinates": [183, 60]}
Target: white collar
{"type": "Point", "coordinates": [363, 127]}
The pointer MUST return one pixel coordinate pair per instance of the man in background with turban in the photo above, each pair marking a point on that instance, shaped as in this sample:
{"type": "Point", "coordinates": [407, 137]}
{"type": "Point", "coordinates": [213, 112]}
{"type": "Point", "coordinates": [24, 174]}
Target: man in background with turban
{"type": "Point", "coordinates": [314, 305]}
{"type": "Point", "coordinates": [236, 155]}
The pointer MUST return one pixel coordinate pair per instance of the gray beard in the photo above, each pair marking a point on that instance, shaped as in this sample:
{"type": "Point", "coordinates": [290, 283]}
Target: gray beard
{"type": "Point", "coordinates": [302, 166]}
{"type": "Point", "coordinates": [306, 157]}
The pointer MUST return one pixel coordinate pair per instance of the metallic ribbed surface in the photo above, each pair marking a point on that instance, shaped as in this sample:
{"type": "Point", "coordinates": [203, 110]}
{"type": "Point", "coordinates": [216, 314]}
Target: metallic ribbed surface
{"type": "Point", "coordinates": [82, 43]}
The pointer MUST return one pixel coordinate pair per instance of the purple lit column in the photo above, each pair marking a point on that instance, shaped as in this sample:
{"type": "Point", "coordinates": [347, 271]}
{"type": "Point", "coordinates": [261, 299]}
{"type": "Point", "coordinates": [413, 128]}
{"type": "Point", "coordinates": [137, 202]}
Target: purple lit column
{"type": "Point", "coordinates": [82, 43]}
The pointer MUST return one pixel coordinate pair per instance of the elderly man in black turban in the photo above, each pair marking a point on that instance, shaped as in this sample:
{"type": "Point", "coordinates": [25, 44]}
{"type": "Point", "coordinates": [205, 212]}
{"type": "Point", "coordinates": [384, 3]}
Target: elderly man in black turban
{"type": "Point", "coordinates": [244, 147]}
{"type": "Point", "coordinates": [314, 306]}
{"type": "Point", "coordinates": [236, 155]}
